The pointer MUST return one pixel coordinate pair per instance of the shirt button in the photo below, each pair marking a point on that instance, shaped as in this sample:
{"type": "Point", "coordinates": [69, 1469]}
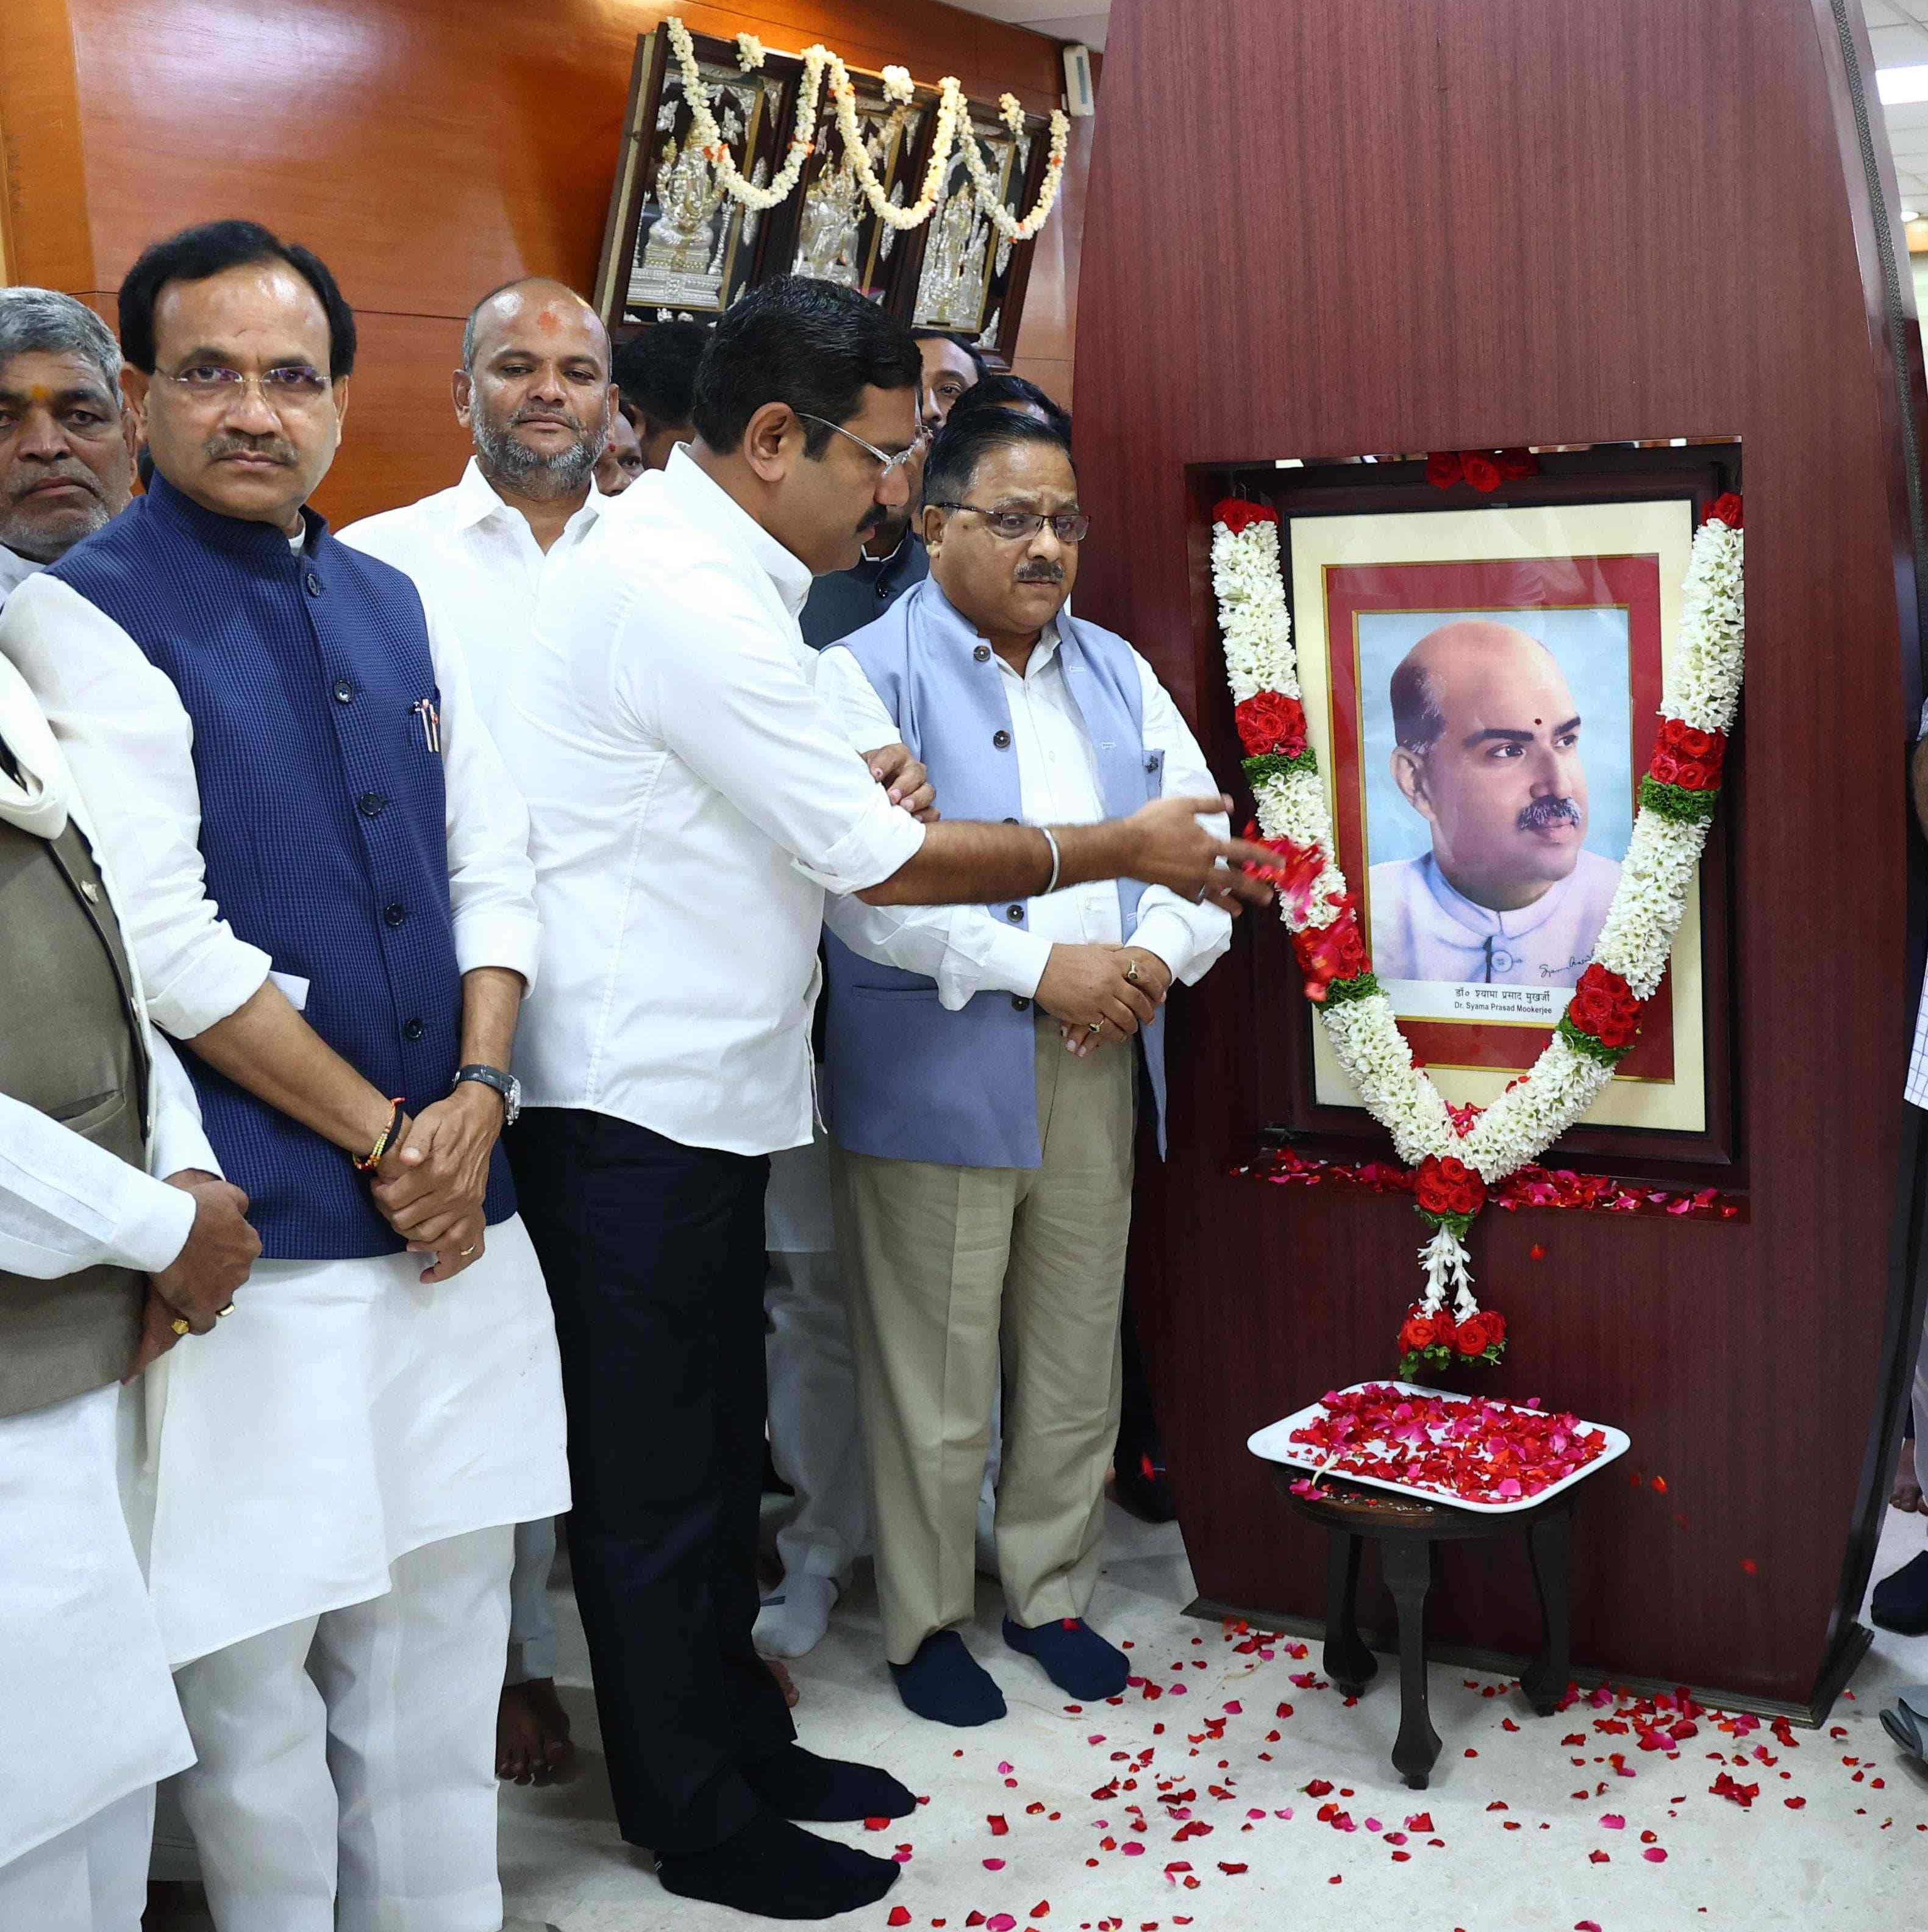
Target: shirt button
{"type": "Point", "coordinates": [983, 652]}
{"type": "Point", "coordinates": [1013, 914]}
{"type": "Point", "coordinates": [344, 691]}
{"type": "Point", "coordinates": [1002, 739]}
{"type": "Point", "coordinates": [1014, 821]}
{"type": "Point", "coordinates": [394, 915]}
{"type": "Point", "coordinates": [1020, 1004]}
{"type": "Point", "coordinates": [312, 584]}
{"type": "Point", "coordinates": [414, 1030]}
{"type": "Point", "coordinates": [372, 804]}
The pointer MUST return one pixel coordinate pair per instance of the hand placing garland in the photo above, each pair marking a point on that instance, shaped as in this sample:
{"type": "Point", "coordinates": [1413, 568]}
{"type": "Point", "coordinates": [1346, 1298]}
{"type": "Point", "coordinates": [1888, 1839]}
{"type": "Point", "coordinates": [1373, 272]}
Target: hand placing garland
{"type": "Point", "coordinates": [1457, 1153]}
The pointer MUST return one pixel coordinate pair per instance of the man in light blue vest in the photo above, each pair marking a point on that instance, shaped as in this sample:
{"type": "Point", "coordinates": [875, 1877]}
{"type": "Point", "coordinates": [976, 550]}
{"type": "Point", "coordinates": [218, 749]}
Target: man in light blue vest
{"type": "Point", "coordinates": [985, 1067]}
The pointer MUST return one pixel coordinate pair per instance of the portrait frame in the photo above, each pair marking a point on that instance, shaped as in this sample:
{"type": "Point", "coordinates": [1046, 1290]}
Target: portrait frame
{"type": "Point", "coordinates": [1446, 564]}
{"type": "Point", "coordinates": [1288, 1110]}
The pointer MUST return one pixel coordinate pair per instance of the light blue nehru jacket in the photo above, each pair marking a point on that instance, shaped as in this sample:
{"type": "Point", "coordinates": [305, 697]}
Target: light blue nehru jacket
{"type": "Point", "coordinates": [904, 1079]}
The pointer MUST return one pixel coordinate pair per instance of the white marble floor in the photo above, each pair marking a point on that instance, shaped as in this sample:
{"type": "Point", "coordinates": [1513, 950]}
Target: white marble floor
{"type": "Point", "coordinates": [1528, 1825]}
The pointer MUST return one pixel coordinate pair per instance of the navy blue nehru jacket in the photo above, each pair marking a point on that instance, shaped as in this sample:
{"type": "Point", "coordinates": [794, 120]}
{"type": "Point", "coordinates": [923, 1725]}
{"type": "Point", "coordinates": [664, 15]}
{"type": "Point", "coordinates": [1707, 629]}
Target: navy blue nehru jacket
{"type": "Point", "coordinates": [322, 823]}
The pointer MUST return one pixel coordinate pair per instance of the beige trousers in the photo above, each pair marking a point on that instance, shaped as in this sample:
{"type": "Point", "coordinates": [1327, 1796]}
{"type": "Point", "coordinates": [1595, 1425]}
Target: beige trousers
{"type": "Point", "coordinates": [948, 1266]}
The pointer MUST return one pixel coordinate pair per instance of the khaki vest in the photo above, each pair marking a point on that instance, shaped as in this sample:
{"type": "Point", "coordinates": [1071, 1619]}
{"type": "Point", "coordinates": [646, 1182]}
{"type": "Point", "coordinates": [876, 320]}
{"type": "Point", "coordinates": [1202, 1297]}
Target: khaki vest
{"type": "Point", "coordinates": [71, 1045]}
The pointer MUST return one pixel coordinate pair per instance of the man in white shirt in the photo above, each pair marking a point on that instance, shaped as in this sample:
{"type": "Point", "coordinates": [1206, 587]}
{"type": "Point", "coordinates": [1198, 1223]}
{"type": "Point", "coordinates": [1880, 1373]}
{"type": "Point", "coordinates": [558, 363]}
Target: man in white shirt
{"type": "Point", "coordinates": [1487, 752]}
{"type": "Point", "coordinates": [691, 803]}
{"type": "Point", "coordinates": [983, 1074]}
{"type": "Point", "coordinates": [103, 1269]}
{"type": "Point", "coordinates": [327, 886]}
{"type": "Point", "coordinates": [533, 391]}
{"type": "Point", "coordinates": [66, 442]}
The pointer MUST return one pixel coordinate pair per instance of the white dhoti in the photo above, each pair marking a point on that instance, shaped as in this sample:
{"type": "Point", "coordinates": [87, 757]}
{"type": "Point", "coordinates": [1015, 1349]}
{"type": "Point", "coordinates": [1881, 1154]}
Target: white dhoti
{"type": "Point", "coordinates": [89, 1720]}
{"type": "Point", "coordinates": [339, 1466]}
{"type": "Point", "coordinates": [816, 1435]}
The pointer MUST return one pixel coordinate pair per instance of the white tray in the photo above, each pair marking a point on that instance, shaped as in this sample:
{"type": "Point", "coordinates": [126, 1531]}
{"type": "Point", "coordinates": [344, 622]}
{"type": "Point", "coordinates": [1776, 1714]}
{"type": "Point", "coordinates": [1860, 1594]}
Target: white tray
{"type": "Point", "coordinates": [1274, 1444]}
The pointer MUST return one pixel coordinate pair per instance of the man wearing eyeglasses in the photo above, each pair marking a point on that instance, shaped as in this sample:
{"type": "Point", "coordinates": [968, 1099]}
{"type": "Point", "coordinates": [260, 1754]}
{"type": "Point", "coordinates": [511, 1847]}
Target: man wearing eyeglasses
{"type": "Point", "coordinates": [328, 892]}
{"type": "Point", "coordinates": [691, 804]}
{"type": "Point", "coordinates": [986, 1068]}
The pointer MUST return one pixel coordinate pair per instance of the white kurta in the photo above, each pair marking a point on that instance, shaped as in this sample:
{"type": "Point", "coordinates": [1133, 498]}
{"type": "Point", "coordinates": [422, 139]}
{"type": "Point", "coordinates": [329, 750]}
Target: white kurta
{"type": "Point", "coordinates": [345, 1414]}
{"type": "Point", "coordinates": [87, 1708]}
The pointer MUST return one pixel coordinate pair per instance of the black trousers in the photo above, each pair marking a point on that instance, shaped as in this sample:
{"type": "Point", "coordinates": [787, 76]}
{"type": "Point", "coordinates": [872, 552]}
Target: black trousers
{"type": "Point", "coordinates": [654, 1254]}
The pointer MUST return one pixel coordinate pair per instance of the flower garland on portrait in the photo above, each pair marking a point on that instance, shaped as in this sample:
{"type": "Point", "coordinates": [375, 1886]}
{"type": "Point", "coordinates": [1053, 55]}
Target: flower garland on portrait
{"type": "Point", "coordinates": [953, 128]}
{"type": "Point", "coordinates": [1458, 1154]}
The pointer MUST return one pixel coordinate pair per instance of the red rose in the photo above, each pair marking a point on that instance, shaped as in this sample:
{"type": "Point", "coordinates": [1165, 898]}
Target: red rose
{"type": "Point", "coordinates": [1694, 776]}
{"type": "Point", "coordinates": [1236, 514]}
{"type": "Point", "coordinates": [1603, 1005]}
{"type": "Point", "coordinates": [1496, 1326]}
{"type": "Point", "coordinates": [1330, 953]}
{"type": "Point", "coordinates": [1688, 742]}
{"type": "Point", "coordinates": [1482, 472]}
{"type": "Point", "coordinates": [1665, 768]}
{"type": "Point", "coordinates": [1470, 1338]}
{"type": "Point", "coordinates": [1443, 468]}
{"type": "Point", "coordinates": [1515, 463]}
{"type": "Point", "coordinates": [1445, 1185]}
{"type": "Point", "coordinates": [1271, 722]}
{"type": "Point", "coordinates": [1726, 509]}
{"type": "Point", "coordinates": [1418, 1334]}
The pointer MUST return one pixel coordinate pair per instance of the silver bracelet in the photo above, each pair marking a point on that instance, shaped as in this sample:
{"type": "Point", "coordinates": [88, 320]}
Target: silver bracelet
{"type": "Point", "coordinates": [1057, 861]}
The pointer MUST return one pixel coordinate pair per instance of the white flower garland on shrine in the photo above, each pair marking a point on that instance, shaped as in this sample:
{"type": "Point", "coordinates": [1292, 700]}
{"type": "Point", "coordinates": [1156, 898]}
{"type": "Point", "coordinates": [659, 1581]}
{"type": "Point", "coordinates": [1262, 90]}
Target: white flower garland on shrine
{"type": "Point", "coordinates": [953, 124]}
{"type": "Point", "coordinates": [1702, 695]}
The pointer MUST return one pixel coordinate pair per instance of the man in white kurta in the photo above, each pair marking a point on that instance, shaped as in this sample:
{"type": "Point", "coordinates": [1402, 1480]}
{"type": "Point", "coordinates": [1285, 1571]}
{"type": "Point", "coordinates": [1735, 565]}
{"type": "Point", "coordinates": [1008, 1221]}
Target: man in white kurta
{"type": "Point", "coordinates": [82, 1667]}
{"type": "Point", "coordinates": [534, 391]}
{"type": "Point", "coordinates": [331, 880]}
{"type": "Point", "coordinates": [1487, 751]}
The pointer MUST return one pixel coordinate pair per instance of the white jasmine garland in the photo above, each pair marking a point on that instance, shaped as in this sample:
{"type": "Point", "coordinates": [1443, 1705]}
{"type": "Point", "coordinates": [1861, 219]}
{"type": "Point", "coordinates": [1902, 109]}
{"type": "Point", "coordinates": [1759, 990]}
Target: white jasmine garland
{"type": "Point", "coordinates": [749, 52]}
{"type": "Point", "coordinates": [1703, 691]}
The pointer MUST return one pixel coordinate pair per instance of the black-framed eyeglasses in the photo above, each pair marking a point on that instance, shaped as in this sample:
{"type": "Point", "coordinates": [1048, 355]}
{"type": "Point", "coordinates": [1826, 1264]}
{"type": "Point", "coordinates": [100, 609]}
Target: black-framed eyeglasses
{"type": "Point", "coordinates": [892, 464]}
{"type": "Point", "coordinates": [1068, 527]}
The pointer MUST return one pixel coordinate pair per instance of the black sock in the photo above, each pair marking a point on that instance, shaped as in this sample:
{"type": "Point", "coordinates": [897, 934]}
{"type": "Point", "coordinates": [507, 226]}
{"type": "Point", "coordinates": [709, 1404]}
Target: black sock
{"type": "Point", "coordinates": [774, 1870]}
{"type": "Point", "coordinates": [795, 1783]}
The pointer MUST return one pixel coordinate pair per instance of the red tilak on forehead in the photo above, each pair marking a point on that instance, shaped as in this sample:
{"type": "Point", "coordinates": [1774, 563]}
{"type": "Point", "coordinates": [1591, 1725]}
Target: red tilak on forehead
{"type": "Point", "coordinates": [548, 321]}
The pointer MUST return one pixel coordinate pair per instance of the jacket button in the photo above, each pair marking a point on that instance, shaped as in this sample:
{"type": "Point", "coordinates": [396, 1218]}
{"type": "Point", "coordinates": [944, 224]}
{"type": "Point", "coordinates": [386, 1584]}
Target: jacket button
{"type": "Point", "coordinates": [882, 588]}
{"type": "Point", "coordinates": [1002, 739]}
{"type": "Point", "coordinates": [312, 584]}
{"type": "Point", "coordinates": [414, 1030]}
{"type": "Point", "coordinates": [372, 804]}
{"type": "Point", "coordinates": [394, 915]}
{"type": "Point", "coordinates": [344, 691]}
{"type": "Point", "coordinates": [1019, 1003]}
{"type": "Point", "coordinates": [983, 652]}
{"type": "Point", "coordinates": [1014, 914]}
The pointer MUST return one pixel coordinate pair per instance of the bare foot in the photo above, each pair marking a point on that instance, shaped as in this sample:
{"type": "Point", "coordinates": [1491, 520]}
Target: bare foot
{"type": "Point", "coordinates": [532, 1732]}
{"type": "Point", "coordinates": [785, 1682]}
{"type": "Point", "coordinates": [1906, 1496]}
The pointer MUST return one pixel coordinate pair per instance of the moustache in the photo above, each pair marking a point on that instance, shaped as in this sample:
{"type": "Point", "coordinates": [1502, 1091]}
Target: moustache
{"type": "Point", "coordinates": [527, 415]}
{"type": "Point", "coordinates": [275, 448]}
{"type": "Point", "coordinates": [79, 475]}
{"type": "Point", "coordinates": [1545, 813]}
{"type": "Point", "coordinates": [1041, 573]}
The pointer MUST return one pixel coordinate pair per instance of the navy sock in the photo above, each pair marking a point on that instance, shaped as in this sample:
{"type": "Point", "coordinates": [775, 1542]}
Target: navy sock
{"type": "Point", "coordinates": [945, 1683]}
{"type": "Point", "coordinates": [1075, 1657]}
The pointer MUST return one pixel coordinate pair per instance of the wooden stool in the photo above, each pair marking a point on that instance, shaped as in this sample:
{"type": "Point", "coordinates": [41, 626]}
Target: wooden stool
{"type": "Point", "coordinates": [1406, 1530]}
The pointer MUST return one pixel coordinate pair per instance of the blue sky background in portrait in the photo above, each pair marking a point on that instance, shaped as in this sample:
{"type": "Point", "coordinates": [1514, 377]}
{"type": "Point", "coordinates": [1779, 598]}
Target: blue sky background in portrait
{"type": "Point", "coordinates": [1592, 649]}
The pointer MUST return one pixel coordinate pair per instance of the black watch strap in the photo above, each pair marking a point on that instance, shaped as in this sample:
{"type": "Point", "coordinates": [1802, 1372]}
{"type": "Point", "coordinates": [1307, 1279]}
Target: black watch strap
{"type": "Point", "coordinates": [489, 1076]}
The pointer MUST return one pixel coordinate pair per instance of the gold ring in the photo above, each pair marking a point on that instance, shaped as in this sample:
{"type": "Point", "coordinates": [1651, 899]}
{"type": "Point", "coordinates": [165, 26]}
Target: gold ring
{"type": "Point", "coordinates": [180, 1325]}
{"type": "Point", "coordinates": [220, 1314]}
{"type": "Point", "coordinates": [465, 1252]}
{"type": "Point", "coordinates": [1096, 1027]}
{"type": "Point", "coordinates": [1132, 971]}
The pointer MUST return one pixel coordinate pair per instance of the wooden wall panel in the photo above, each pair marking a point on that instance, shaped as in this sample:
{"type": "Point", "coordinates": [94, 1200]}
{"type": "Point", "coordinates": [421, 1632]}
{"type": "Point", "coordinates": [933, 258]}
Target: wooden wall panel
{"type": "Point", "coordinates": [1475, 223]}
{"type": "Point", "coordinates": [427, 149]}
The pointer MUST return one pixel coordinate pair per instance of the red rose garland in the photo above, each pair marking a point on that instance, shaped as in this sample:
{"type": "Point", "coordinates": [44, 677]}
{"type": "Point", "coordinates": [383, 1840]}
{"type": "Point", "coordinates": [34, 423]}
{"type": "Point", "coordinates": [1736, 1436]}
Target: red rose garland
{"type": "Point", "coordinates": [1602, 1021]}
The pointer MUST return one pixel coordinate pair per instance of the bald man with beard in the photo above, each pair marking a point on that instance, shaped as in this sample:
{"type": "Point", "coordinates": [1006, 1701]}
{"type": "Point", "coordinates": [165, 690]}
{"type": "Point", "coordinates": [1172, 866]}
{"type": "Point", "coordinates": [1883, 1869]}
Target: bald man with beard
{"type": "Point", "coordinates": [534, 392]}
{"type": "Point", "coordinates": [1487, 750]}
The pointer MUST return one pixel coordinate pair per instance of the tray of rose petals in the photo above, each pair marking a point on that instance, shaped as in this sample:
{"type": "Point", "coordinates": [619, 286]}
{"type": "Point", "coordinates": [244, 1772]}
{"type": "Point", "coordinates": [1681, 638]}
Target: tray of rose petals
{"type": "Point", "coordinates": [1496, 1457]}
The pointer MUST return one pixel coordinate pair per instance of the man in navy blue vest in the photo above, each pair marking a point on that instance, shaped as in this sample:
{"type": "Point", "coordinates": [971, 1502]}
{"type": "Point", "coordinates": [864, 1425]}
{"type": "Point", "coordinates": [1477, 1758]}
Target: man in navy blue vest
{"type": "Point", "coordinates": [985, 1066]}
{"type": "Point", "coordinates": [329, 897]}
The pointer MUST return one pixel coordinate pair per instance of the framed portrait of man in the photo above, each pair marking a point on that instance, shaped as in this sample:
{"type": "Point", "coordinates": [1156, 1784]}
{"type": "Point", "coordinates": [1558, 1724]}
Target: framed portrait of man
{"type": "Point", "coordinates": [1482, 688]}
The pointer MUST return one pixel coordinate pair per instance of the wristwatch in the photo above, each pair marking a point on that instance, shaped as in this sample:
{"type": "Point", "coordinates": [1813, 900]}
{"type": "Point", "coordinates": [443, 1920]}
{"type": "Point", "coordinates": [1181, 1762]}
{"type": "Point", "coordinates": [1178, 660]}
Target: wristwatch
{"type": "Point", "coordinates": [506, 1084]}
